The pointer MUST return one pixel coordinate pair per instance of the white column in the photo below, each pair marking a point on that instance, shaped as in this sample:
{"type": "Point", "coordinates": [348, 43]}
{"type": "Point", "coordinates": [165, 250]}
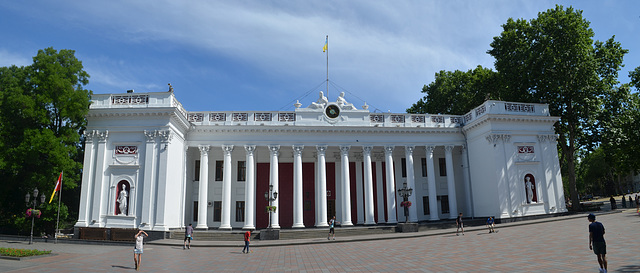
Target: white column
{"type": "Point", "coordinates": [298, 221]}
{"type": "Point", "coordinates": [100, 189]}
{"type": "Point", "coordinates": [87, 182]}
{"type": "Point", "coordinates": [226, 188]}
{"type": "Point", "coordinates": [431, 180]}
{"type": "Point", "coordinates": [451, 182]}
{"type": "Point", "coordinates": [274, 151]}
{"type": "Point", "coordinates": [203, 187]}
{"type": "Point", "coordinates": [380, 186]}
{"type": "Point", "coordinates": [321, 193]}
{"type": "Point", "coordinates": [149, 180]}
{"type": "Point", "coordinates": [250, 189]}
{"type": "Point", "coordinates": [467, 182]}
{"type": "Point", "coordinates": [411, 183]}
{"type": "Point", "coordinates": [346, 186]}
{"type": "Point", "coordinates": [391, 186]}
{"type": "Point", "coordinates": [368, 187]}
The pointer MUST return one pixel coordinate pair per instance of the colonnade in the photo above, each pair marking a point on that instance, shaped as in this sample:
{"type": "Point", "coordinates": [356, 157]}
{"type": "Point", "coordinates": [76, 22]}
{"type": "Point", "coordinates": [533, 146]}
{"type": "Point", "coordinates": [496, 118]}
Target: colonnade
{"type": "Point", "coordinates": [320, 185]}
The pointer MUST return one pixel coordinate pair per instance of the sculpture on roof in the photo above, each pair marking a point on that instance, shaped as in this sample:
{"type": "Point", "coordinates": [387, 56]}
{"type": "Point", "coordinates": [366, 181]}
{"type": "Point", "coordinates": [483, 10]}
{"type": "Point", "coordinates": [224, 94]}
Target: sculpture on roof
{"type": "Point", "coordinates": [344, 104]}
{"type": "Point", "coordinates": [320, 103]}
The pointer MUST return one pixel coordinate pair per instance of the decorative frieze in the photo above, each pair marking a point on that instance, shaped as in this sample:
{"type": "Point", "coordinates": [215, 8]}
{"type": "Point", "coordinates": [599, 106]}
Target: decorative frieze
{"type": "Point", "coordinates": [195, 117]}
{"type": "Point", "coordinates": [494, 138]}
{"type": "Point", "coordinates": [262, 116]}
{"type": "Point", "coordinates": [130, 99]}
{"type": "Point", "coordinates": [417, 118]}
{"type": "Point", "coordinates": [397, 118]}
{"type": "Point", "coordinates": [519, 107]}
{"type": "Point", "coordinates": [239, 117]}
{"type": "Point", "coordinates": [545, 138]}
{"type": "Point", "coordinates": [375, 118]}
{"type": "Point", "coordinates": [126, 150]}
{"type": "Point", "coordinates": [437, 119]}
{"type": "Point", "coordinates": [525, 149]}
{"type": "Point", "coordinates": [217, 117]}
{"type": "Point", "coordinates": [286, 117]}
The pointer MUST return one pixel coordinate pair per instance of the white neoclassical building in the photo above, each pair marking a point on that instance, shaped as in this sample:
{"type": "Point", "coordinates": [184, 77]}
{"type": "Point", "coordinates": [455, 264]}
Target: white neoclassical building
{"type": "Point", "coordinates": [151, 164]}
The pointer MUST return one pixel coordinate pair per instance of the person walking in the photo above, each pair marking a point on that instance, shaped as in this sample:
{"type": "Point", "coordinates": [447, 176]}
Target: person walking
{"type": "Point", "coordinates": [491, 224]}
{"type": "Point", "coordinates": [459, 224]}
{"type": "Point", "coordinates": [332, 231]}
{"type": "Point", "coordinates": [596, 241]}
{"type": "Point", "coordinates": [247, 238]}
{"type": "Point", "coordinates": [137, 250]}
{"type": "Point", "coordinates": [188, 234]}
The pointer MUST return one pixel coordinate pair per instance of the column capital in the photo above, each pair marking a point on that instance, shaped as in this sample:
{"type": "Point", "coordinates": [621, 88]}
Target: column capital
{"type": "Point", "coordinates": [367, 149]}
{"type": "Point", "coordinates": [165, 135]}
{"type": "Point", "coordinates": [274, 149]}
{"type": "Point", "coordinates": [449, 148]}
{"type": "Point", "coordinates": [388, 149]}
{"type": "Point", "coordinates": [227, 149]}
{"type": "Point", "coordinates": [344, 149]}
{"type": "Point", "coordinates": [102, 136]}
{"type": "Point", "coordinates": [297, 149]}
{"type": "Point", "coordinates": [204, 149]}
{"type": "Point", "coordinates": [321, 149]}
{"type": "Point", "coordinates": [250, 149]}
{"type": "Point", "coordinates": [151, 135]}
{"type": "Point", "coordinates": [429, 148]}
{"type": "Point", "coordinates": [409, 149]}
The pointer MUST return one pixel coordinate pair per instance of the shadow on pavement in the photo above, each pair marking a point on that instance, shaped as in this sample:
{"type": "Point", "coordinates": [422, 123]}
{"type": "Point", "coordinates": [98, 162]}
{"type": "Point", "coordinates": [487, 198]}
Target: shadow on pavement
{"type": "Point", "coordinates": [629, 268]}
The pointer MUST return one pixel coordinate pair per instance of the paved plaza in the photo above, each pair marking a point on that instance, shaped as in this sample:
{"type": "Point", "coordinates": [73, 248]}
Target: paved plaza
{"type": "Point", "coordinates": [558, 244]}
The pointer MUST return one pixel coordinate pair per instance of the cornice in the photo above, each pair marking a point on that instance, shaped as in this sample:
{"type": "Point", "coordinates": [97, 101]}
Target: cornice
{"type": "Point", "coordinates": [509, 118]}
{"type": "Point", "coordinates": [311, 130]}
{"type": "Point", "coordinates": [179, 120]}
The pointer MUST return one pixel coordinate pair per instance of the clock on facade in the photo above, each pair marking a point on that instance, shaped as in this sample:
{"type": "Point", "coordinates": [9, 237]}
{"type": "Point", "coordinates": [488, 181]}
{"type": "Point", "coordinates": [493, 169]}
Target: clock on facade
{"type": "Point", "coordinates": [332, 111]}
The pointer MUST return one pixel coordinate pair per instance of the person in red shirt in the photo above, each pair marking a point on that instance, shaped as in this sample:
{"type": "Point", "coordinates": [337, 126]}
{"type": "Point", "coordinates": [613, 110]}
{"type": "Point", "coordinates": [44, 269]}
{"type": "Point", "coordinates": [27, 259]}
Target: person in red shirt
{"type": "Point", "coordinates": [247, 238]}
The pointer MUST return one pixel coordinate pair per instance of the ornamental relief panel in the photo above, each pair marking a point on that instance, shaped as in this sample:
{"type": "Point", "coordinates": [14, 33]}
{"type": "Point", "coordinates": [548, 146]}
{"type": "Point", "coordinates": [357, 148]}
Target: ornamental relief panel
{"type": "Point", "coordinates": [525, 152]}
{"type": "Point", "coordinates": [125, 155]}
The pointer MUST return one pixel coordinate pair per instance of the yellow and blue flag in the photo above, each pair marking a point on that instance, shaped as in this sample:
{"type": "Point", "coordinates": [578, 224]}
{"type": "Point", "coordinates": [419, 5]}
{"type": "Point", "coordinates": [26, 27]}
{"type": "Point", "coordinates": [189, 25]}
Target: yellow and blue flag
{"type": "Point", "coordinates": [326, 45]}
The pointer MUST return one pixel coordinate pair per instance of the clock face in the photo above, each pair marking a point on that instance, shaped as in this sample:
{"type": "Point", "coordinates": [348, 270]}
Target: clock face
{"type": "Point", "coordinates": [332, 111]}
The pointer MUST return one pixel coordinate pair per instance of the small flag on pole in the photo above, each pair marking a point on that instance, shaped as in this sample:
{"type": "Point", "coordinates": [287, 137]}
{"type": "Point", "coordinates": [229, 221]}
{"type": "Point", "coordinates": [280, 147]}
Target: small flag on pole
{"type": "Point", "coordinates": [57, 188]}
{"type": "Point", "coordinates": [326, 45]}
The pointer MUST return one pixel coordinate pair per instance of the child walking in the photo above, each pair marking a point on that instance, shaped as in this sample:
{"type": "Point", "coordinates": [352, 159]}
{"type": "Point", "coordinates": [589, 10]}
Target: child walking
{"type": "Point", "coordinates": [247, 238]}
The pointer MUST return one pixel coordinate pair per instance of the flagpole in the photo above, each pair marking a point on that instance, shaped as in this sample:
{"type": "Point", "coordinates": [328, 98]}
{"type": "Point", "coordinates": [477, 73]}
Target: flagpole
{"type": "Point", "coordinates": [58, 221]}
{"type": "Point", "coordinates": [327, 65]}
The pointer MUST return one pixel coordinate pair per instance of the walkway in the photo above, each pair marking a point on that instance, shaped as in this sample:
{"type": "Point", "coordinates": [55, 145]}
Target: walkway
{"type": "Point", "coordinates": [556, 244]}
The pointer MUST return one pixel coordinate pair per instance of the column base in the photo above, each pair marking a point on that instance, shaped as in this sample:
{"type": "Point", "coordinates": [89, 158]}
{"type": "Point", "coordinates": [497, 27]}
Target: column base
{"type": "Point", "coordinates": [297, 226]}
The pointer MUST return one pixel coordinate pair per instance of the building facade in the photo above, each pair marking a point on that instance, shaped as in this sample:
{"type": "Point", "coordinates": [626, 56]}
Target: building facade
{"type": "Point", "coordinates": [151, 164]}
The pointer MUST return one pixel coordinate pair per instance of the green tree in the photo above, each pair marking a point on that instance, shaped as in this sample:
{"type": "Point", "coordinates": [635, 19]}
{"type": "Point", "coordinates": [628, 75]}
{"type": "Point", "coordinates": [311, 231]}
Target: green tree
{"type": "Point", "coordinates": [554, 59]}
{"type": "Point", "coordinates": [457, 92]}
{"type": "Point", "coordinates": [42, 115]}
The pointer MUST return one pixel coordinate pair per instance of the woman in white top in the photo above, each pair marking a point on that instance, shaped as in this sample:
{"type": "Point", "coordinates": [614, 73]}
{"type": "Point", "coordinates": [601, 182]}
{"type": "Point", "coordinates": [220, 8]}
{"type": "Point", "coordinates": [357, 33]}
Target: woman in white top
{"type": "Point", "coordinates": [137, 251]}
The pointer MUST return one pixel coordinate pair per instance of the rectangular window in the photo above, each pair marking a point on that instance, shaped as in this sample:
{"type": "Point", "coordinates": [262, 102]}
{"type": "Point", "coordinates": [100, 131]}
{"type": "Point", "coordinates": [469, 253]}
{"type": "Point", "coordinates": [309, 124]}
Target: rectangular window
{"type": "Point", "coordinates": [219, 170]}
{"type": "Point", "coordinates": [442, 166]}
{"type": "Point", "coordinates": [195, 211]}
{"type": "Point", "coordinates": [239, 211]}
{"type": "Point", "coordinates": [196, 175]}
{"type": "Point", "coordinates": [242, 170]}
{"type": "Point", "coordinates": [403, 163]}
{"type": "Point", "coordinates": [444, 203]}
{"type": "Point", "coordinates": [423, 163]}
{"type": "Point", "coordinates": [217, 211]}
{"type": "Point", "coordinates": [425, 205]}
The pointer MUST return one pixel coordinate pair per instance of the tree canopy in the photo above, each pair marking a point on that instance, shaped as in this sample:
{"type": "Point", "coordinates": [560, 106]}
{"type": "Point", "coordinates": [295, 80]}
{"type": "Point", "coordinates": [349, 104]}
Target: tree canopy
{"type": "Point", "coordinates": [42, 115]}
{"type": "Point", "coordinates": [549, 59]}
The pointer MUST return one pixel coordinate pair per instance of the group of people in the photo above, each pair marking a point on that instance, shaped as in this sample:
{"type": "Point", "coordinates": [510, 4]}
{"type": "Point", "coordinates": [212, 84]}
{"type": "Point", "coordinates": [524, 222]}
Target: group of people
{"type": "Point", "coordinates": [623, 201]}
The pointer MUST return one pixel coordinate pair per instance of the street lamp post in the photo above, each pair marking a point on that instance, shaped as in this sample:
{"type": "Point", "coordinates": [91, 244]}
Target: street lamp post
{"type": "Point", "coordinates": [405, 193]}
{"type": "Point", "coordinates": [34, 204]}
{"type": "Point", "coordinates": [270, 196]}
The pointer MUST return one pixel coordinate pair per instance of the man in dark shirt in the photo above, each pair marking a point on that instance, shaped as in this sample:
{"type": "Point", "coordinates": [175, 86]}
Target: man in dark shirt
{"type": "Point", "coordinates": [596, 241]}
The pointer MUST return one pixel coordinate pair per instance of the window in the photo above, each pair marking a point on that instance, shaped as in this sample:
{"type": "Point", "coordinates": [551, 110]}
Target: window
{"type": "Point", "coordinates": [423, 163]}
{"type": "Point", "coordinates": [425, 205]}
{"type": "Point", "coordinates": [217, 210]}
{"type": "Point", "coordinates": [242, 171]}
{"type": "Point", "coordinates": [196, 175]}
{"type": "Point", "coordinates": [219, 170]}
{"type": "Point", "coordinates": [195, 211]}
{"type": "Point", "coordinates": [444, 203]}
{"type": "Point", "coordinates": [403, 163]}
{"type": "Point", "coordinates": [239, 211]}
{"type": "Point", "coordinates": [443, 166]}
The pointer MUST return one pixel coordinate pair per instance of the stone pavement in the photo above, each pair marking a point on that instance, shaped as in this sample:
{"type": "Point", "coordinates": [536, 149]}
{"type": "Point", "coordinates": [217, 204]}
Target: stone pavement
{"type": "Point", "coordinates": [558, 244]}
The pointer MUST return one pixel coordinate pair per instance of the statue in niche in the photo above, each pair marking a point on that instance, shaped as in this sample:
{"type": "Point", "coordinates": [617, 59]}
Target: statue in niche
{"type": "Point", "coordinates": [320, 103]}
{"type": "Point", "coordinates": [344, 104]}
{"type": "Point", "coordinates": [530, 187]}
{"type": "Point", "coordinates": [123, 196]}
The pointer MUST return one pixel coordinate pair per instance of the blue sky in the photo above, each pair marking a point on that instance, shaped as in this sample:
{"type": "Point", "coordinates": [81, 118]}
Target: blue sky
{"type": "Point", "coordinates": [256, 55]}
